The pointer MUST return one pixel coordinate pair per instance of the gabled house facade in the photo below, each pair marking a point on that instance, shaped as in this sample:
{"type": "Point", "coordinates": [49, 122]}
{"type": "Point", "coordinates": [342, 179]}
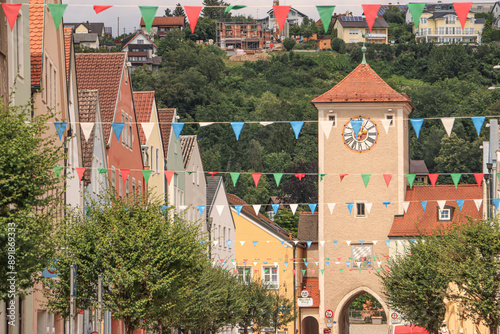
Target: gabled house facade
{"type": "Point", "coordinates": [163, 24]}
{"type": "Point", "coordinates": [87, 28]}
{"type": "Point", "coordinates": [270, 23]}
{"type": "Point", "coordinates": [196, 186]}
{"type": "Point", "coordinates": [141, 50]}
{"type": "Point", "coordinates": [352, 28]}
{"type": "Point", "coordinates": [90, 40]}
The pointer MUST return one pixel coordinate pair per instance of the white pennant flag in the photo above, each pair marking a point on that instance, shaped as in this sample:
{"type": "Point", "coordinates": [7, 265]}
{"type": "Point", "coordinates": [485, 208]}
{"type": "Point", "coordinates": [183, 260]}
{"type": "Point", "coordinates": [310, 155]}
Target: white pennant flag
{"type": "Point", "coordinates": [182, 207]}
{"type": "Point", "coordinates": [406, 205]}
{"type": "Point", "coordinates": [256, 208]}
{"type": "Point", "coordinates": [147, 128]}
{"type": "Point", "coordinates": [293, 207]}
{"type": "Point", "coordinates": [337, 262]}
{"type": "Point", "coordinates": [242, 243]}
{"type": "Point", "coordinates": [202, 124]}
{"type": "Point", "coordinates": [327, 127]}
{"type": "Point", "coordinates": [265, 123]}
{"type": "Point", "coordinates": [368, 207]}
{"type": "Point", "coordinates": [478, 203]}
{"type": "Point", "coordinates": [316, 263]}
{"type": "Point", "coordinates": [374, 242]}
{"type": "Point", "coordinates": [255, 263]}
{"type": "Point", "coordinates": [359, 264]}
{"type": "Point", "coordinates": [275, 264]}
{"type": "Point", "coordinates": [348, 242]}
{"type": "Point", "coordinates": [379, 263]}
{"type": "Point", "coordinates": [331, 206]}
{"type": "Point", "coordinates": [87, 129]}
{"type": "Point", "coordinates": [386, 123]}
{"type": "Point", "coordinates": [448, 124]}
{"type": "Point", "coordinates": [322, 243]}
{"type": "Point", "coordinates": [441, 204]}
{"type": "Point", "coordinates": [216, 242]}
{"type": "Point", "coordinates": [219, 208]}
{"type": "Point", "coordinates": [295, 242]}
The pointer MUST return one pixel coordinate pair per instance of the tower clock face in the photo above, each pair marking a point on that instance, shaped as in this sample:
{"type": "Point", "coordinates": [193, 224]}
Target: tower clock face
{"type": "Point", "coordinates": [365, 139]}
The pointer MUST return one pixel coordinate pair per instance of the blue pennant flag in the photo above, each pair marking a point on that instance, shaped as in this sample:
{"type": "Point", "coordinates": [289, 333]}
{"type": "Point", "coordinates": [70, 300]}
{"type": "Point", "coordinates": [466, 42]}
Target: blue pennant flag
{"type": "Point", "coordinates": [255, 243]}
{"type": "Point", "coordinates": [335, 242]}
{"type": "Point", "coordinates": [201, 208]}
{"type": "Point", "coordinates": [309, 243]}
{"type": "Point", "coordinates": [237, 126]}
{"type": "Point", "coordinates": [306, 263]}
{"type": "Point", "coordinates": [286, 264]}
{"type": "Point", "coordinates": [177, 129]}
{"type": "Point", "coordinates": [275, 208]}
{"type": "Point", "coordinates": [478, 123]}
{"type": "Point", "coordinates": [117, 129]}
{"type": "Point", "coordinates": [417, 124]}
{"type": "Point", "coordinates": [356, 126]}
{"type": "Point", "coordinates": [238, 208]}
{"type": "Point", "coordinates": [349, 206]}
{"type": "Point", "coordinates": [282, 242]}
{"type": "Point", "coordinates": [297, 126]}
{"type": "Point", "coordinates": [163, 208]}
{"type": "Point", "coordinates": [496, 201]}
{"type": "Point", "coordinates": [386, 203]}
{"type": "Point", "coordinates": [348, 264]}
{"type": "Point", "coordinates": [387, 242]}
{"type": "Point", "coordinates": [362, 241]}
{"type": "Point", "coordinates": [202, 243]}
{"type": "Point", "coordinates": [228, 242]}
{"type": "Point", "coordinates": [327, 263]}
{"type": "Point", "coordinates": [460, 203]}
{"type": "Point", "coordinates": [60, 127]}
{"type": "Point", "coordinates": [313, 206]}
{"type": "Point", "coordinates": [424, 204]}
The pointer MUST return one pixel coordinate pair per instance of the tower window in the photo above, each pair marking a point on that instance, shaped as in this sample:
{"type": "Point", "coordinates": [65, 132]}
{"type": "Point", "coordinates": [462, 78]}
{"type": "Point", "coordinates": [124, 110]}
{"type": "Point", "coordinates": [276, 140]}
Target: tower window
{"type": "Point", "coordinates": [362, 256]}
{"type": "Point", "coordinates": [332, 118]}
{"type": "Point", "coordinates": [391, 118]}
{"type": "Point", "coordinates": [360, 210]}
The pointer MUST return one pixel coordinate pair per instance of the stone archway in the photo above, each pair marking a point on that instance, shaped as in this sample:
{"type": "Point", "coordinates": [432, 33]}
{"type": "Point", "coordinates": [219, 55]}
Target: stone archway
{"type": "Point", "coordinates": [310, 325]}
{"type": "Point", "coordinates": [341, 315]}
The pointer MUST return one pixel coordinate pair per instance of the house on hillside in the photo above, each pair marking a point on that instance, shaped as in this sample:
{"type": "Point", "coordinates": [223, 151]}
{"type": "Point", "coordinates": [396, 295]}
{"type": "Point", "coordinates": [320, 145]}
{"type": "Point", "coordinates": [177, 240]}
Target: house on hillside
{"type": "Point", "coordinates": [90, 40]}
{"type": "Point", "coordinates": [270, 23]}
{"type": "Point", "coordinates": [163, 24]}
{"type": "Point", "coordinates": [246, 36]}
{"type": "Point", "coordinates": [383, 8]}
{"type": "Point", "coordinates": [88, 28]}
{"type": "Point", "coordinates": [352, 29]}
{"type": "Point", "coordinates": [141, 51]}
{"type": "Point", "coordinates": [196, 186]}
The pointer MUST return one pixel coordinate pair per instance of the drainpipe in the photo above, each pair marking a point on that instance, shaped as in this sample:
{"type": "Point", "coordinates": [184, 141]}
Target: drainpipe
{"type": "Point", "coordinates": [297, 320]}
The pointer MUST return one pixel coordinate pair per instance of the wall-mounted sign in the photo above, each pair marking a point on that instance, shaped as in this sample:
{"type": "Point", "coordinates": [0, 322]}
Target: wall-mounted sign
{"type": "Point", "coordinates": [328, 314]}
{"type": "Point", "coordinates": [304, 302]}
{"type": "Point", "coordinates": [304, 294]}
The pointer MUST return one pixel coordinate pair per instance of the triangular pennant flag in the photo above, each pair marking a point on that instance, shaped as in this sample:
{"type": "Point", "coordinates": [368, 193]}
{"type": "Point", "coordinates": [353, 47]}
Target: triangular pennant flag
{"type": "Point", "coordinates": [60, 127]}
{"type": "Point", "coordinates": [117, 129]}
{"type": "Point", "coordinates": [479, 178]}
{"type": "Point", "coordinates": [102, 170]}
{"type": "Point", "coordinates": [281, 14]}
{"type": "Point", "coordinates": [370, 12]}
{"type": "Point", "coordinates": [235, 271]}
{"type": "Point", "coordinates": [387, 242]}
{"type": "Point", "coordinates": [300, 176]}
{"type": "Point", "coordinates": [242, 243]}
{"type": "Point", "coordinates": [212, 174]}
{"type": "Point", "coordinates": [416, 10]}
{"type": "Point", "coordinates": [221, 261]}
{"type": "Point", "coordinates": [266, 123]}
{"type": "Point", "coordinates": [192, 13]}
{"type": "Point", "coordinates": [238, 211]}
{"type": "Point", "coordinates": [326, 126]}
{"type": "Point", "coordinates": [335, 243]}
{"type": "Point", "coordinates": [256, 208]}
{"type": "Point", "coordinates": [331, 206]}
{"type": "Point", "coordinates": [462, 10]}
{"type": "Point", "coordinates": [11, 11]}
{"type": "Point", "coordinates": [237, 126]}
{"type": "Point", "coordinates": [296, 126]}
{"type": "Point", "coordinates": [325, 14]}
{"type": "Point", "coordinates": [233, 7]}
{"type": "Point", "coordinates": [433, 178]}
{"type": "Point", "coordinates": [424, 204]}
{"type": "Point", "coordinates": [255, 243]}
{"type": "Point", "coordinates": [322, 271]}
{"type": "Point", "coordinates": [321, 176]}
{"type": "Point", "coordinates": [478, 123]}
{"type": "Point", "coordinates": [348, 264]}
{"type": "Point", "coordinates": [322, 243]}
{"type": "Point", "coordinates": [313, 206]}
{"type": "Point", "coordinates": [387, 124]}
{"type": "Point", "coordinates": [256, 178]}
{"type": "Point", "coordinates": [478, 203]}
{"type": "Point", "coordinates": [146, 174]}
{"type": "Point", "coordinates": [80, 171]}
{"type": "Point", "coordinates": [100, 8]}
{"type": "Point", "coordinates": [456, 178]}
{"type": "Point", "coordinates": [387, 178]}
{"type": "Point", "coordinates": [277, 178]}
{"type": "Point", "coordinates": [362, 242]}
{"type": "Point", "coordinates": [219, 208]}
{"type": "Point", "coordinates": [57, 12]}
{"type": "Point", "coordinates": [148, 15]}
{"type": "Point", "coordinates": [327, 263]}
{"type": "Point", "coordinates": [177, 129]}
{"type": "Point", "coordinates": [294, 208]}
{"type": "Point", "coordinates": [275, 208]}
{"type": "Point", "coordinates": [303, 272]}
{"type": "Point", "coordinates": [202, 124]}
{"type": "Point", "coordinates": [348, 242]}
{"type": "Point", "coordinates": [368, 207]}
{"type": "Point", "coordinates": [309, 243]}
{"type": "Point", "coordinates": [366, 178]}
{"type": "Point", "coordinates": [496, 201]}
{"type": "Point", "coordinates": [417, 124]}
{"type": "Point", "coordinates": [448, 124]}
{"type": "Point", "coordinates": [286, 264]}
{"type": "Point", "coordinates": [460, 203]}
{"type": "Point", "coordinates": [342, 176]}
{"type": "Point", "coordinates": [406, 205]}
{"type": "Point", "coordinates": [356, 126]}
{"type": "Point", "coordinates": [358, 263]}
{"type": "Point", "coordinates": [201, 208]}
{"type": "Point", "coordinates": [124, 174]}
{"type": "Point", "coordinates": [369, 270]}
{"type": "Point", "coordinates": [86, 129]}
{"type": "Point", "coordinates": [341, 271]}
{"type": "Point", "coordinates": [216, 242]}
{"type": "Point", "coordinates": [313, 271]}
{"type": "Point", "coordinates": [386, 203]}
{"type": "Point", "coordinates": [378, 270]}
{"type": "Point", "coordinates": [411, 178]}
{"type": "Point", "coordinates": [58, 171]}
{"type": "Point", "coordinates": [190, 172]}
{"type": "Point", "coordinates": [169, 174]}
{"type": "Point", "coordinates": [294, 272]}
{"type": "Point", "coordinates": [374, 242]}
{"type": "Point", "coordinates": [441, 204]}
{"type": "Point", "coordinates": [349, 206]}
{"type": "Point", "coordinates": [147, 128]}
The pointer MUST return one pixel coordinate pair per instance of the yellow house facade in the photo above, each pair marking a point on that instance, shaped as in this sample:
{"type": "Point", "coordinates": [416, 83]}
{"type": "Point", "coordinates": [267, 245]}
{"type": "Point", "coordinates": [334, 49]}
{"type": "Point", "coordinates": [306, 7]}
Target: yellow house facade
{"type": "Point", "coordinates": [354, 29]}
{"type": "Point", "coordinates": [265, 252]}
{"type": "Point", "coordinates": [443, 26]}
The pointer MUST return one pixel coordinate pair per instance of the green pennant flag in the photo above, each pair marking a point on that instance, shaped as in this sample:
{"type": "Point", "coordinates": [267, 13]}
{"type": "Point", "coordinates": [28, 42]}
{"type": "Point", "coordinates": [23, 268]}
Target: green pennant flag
{"type": "Point", "coordinates": [411, 178]}
{"type": "Point", "coordinates": [498, 177]}
{"type": "Point", "coordinates": [456, 178]}
{"type": "Point", "coordinates": [360, 269]}
{"type": "Point", "coordinates": [322, 271]}
{"type": "Point", "coordinates": [146, 174]}
{"type": "Point", "coordinates": [378, 269]}
{"type": "Point", "coordinates": [235, 7]}
{"type": "Point", "coordinates": [341, 271]}
{"type": "Point", "coordinates": [325, 14]}
{"type": "Point", "coordinates": [57, 12]}
{"type": "Point", "coordinates": [328, 259]}
{"type": "Point", "coordinates": [304, 259]}
{"type": "Point", "coordinates": [277, 178]}
{"type": "Point", "coordinates": [374, 258]}
{"type": "Point", "coordinates": [148, 14]}
{"type": "Point", "coordinates": [321, 176]}
{"type": "Point", "coordinates": [366, 178]}
{"type": "Point", "coordinates": [303, 272]}
{"type": "Point", "coordinates": [58, 171]}
{"type": "Point", "coordinates": [416, 10]}
{"type": "Point", "coordinates": [234, 177]}
{"type": "Point", "coordinates": [191, 172]}
{"type": "Point", "coordinates": [102, 170]}
{"type": "Point", "coordinates": [350, 257]}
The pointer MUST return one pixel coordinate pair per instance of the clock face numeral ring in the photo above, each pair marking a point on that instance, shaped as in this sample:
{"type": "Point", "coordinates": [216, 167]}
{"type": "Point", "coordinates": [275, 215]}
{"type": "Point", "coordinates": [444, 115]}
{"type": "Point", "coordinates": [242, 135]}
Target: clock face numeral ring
{"type": "Point", "coordinates": [365, 138]}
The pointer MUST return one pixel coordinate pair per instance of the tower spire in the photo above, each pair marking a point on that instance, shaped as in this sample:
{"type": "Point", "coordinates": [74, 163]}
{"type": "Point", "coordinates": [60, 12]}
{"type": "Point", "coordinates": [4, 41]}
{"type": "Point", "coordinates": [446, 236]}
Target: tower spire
{"type": "Point", "coordinates": [363, 49]}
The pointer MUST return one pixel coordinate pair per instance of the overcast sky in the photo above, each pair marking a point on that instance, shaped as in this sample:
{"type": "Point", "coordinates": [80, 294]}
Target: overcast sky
{"type": "Point", "coordinates": [130, 15]}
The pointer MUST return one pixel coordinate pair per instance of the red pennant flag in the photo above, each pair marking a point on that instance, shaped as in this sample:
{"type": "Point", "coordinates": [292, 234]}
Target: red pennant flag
{"type": "Point", "coordinates": [339, 258]}
{"type": "Point", "coordinates": [433, 178]}
{"type": "Point", "coordinates": [80, 171]}
{"type": "Point", "coordinates": [245, 260]}
{"type": "Point", "coordinates": [292, 259]}
{"type": "Point", "coordinates": [168, 175]}
{"type": "Point", "coordinates": [98, 8]}
{"type": "Point", "coordinates": [212, 173]}
{"type": "Point", "coordinates": [479, 178]}
{"type": "Point", "coordinates": [235, 271]}
{"type": "Point", "coordinates": [300, 175]}
{"type": "Point", "coordinates": [193, 13]}
{"type": "Point", "coordinates": [342, 176]}
{"type": "Point", "coordinates": [294, 271]}
{"type": "Point", "coordinates": [462, 9]}
{"type": "Point", "coordinates": [11, 10]}
{"type": "Point", "coordinates": [387, 178]}
{"type": "Point", "coordinates": [124, 174]}
{"type": "Point", "coordinates": [369, 271]}
{"type": "Point", "coordinates": [370, 14]}
{"type": "Point", "coordinates": [256, 178]}
{"type": "Point", "coordinates": [221, 261]}
{"type": "Point", "coordinates": [281, 13]}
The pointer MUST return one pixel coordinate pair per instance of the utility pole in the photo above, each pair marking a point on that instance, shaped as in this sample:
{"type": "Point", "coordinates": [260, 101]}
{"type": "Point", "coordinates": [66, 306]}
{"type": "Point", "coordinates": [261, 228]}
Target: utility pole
{"type": "Point", "coordinates": [118, 30]}
{"type": "Point", "coordinates": [99, 305]}
{"type": "Point", "coordinates": [72, 298]}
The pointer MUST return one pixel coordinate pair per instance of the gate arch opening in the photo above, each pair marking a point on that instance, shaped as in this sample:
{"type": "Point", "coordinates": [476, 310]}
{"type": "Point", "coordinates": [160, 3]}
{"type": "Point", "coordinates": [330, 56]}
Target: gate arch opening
{"type": "Point", "coordinates": [310, 325]}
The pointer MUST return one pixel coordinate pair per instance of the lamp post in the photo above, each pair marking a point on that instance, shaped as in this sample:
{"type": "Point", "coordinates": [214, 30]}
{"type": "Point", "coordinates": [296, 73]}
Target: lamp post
{"type": "Point", "coordinates": [489, 189]}
{"type": "Point", "coordinates": [209, 230]}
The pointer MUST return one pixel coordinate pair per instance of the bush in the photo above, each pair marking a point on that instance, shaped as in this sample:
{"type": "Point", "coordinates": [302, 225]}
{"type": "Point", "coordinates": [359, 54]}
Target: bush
{"type": "Point", "coordinates": [289, 43]}
{"type": "Point", "coordinates": [309, 45]}
{"type": "Point", "coordinates": [338, 45]}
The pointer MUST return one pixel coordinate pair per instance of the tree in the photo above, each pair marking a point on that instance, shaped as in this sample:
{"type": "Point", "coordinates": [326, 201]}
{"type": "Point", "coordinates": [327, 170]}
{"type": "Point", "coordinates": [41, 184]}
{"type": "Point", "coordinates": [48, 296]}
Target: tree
{"type": "Point", "coordinates": [394, 15]}
{"type": "Point", "coordinates": [294, 29]}
{"type": "Point", "coordinates": [282, 311]}
{"type": "Point", "coordinates": [289, 43]}
{"type": "Point", "coordinates": [287, 220]}
{"type": "Point", "coordinates": [30, 196]}
{"type": "Point", "coordinates": [257, 307]}
{"type": "Point", "coordinates": [338, 45]}
{"type": "Point", "coordinates": [179, 11]}
{"type": "Point", "coordinates": [168, 12]}
{"type": "Point", "coordinates": [210, 11]}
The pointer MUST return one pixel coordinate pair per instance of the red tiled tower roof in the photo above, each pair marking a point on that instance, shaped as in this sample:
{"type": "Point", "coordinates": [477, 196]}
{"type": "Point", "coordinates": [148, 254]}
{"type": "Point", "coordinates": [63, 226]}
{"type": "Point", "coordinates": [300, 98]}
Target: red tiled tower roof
{"type": "Point", "coordinates": [143, 107]}
{"type": "Point", "coordinates": [36, 39]}
{"type": "Point", "coordinates": [416, 221]}
{"type": "Point", "coordinates": [363, 84]}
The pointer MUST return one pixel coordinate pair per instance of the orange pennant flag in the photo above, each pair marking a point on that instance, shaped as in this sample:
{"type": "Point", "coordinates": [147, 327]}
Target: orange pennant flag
{"type": "Point", "coordinates": [300, 175]}
{"type": "Point", "coordinates": [256, 178]}
{"type": "Point", "coordinates": [80, 171]}
{"type": "Point", "coordinates": [370, 12]}
{"type": "Point", "coordinates": [281, 13]}
{"type": "Point", "coordinates": [11, 11]}
{"type": "Point", "coordinates": [433, 178]}
{"type": "Point", "coordinates": [479, 178]}
{"type": "Point", "coordinates": [168, 175]}
{"type": "Point", "coordinates": [193, 13]}
{"type": "Point", "coordinates": [124, 174]}
{"type": "Point", "coordinates": [98, 8]}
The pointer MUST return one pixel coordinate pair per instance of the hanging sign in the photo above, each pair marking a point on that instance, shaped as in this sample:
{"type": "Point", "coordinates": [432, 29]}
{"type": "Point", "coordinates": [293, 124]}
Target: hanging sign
{"type": "Point", "coordinates": [304, 302]}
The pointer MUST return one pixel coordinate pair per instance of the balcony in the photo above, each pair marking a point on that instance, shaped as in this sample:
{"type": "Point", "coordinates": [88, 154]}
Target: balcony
{"type": "Point", "coordinates": [376, 35]}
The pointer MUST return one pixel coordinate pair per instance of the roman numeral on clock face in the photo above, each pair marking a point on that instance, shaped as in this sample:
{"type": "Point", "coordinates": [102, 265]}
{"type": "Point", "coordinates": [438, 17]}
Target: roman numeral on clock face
{"type": "Point", "coordinates": [365, 139]}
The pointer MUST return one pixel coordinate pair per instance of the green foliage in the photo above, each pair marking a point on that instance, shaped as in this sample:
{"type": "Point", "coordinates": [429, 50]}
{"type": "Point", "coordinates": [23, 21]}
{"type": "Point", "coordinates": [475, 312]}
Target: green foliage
{"type": "Point", "coordinates": [205, 30]}
{"type": "Point", "coordinates": [170, 42]}
{"type": "Point", "coordinates": [394, 15]}
{"type": "Point", "coordinates": [282, 310]}
{"type": "Point", "coordinates": [287, 220]}
{"type": "Point", "coordinates": [210, 10]}
{"type": "Point", "coordinates": [338, 45]}
{"type": "Point", "coordinates": [289, 43]}
{"type": "Point", "coordinates": [365, 302]}
{"type": "Point", "coordinates": [106, 40]}
{"type": "Point", "coordinates": [179, 11]}
{"type": "Point", "coordinates": [309, 45]}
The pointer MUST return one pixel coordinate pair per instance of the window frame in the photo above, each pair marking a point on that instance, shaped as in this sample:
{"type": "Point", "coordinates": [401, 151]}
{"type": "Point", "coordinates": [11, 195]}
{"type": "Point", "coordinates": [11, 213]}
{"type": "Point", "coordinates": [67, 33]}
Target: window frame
{"type": "Point", "coordinates": [272, 285]}
{"type": "Point", "coordinates": [368, 263]}
{"type": "Point", "coordinates": [245, 277]}
{"type": "Point", "coordinates": [359, 205]}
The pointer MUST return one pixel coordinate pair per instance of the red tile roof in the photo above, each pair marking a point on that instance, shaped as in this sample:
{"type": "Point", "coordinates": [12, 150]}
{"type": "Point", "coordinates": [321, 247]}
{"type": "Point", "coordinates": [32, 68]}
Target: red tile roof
{"type": "Point", "coordinates": [68, 31]}
{"type": "Point", "coordinates": [36, 40]}
{"type": "Point", "coordinates": [166, 117]}
{"type": "Point", "coordinates": [88, 101]}
{"type": "Point", "coordinates": [102, 71]}
{"type": "Point", "coordinates": [363, 84]}
{"type": "Point", "coordinates": [143, 107]}
{"type": "Point", "coordinates": [416, 221]}
{"type": "Point", "coordinates": [166, 21]}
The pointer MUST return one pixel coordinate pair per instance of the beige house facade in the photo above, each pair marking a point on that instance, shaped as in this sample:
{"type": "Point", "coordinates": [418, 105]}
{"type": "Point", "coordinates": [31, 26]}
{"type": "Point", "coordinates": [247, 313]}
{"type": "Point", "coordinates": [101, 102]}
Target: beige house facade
{"type": "Point", "coordinates": [354, 29]}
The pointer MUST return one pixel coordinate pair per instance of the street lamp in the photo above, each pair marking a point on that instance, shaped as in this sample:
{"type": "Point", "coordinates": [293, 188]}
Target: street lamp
{"type": "Point", "coordinates": [489, 189]}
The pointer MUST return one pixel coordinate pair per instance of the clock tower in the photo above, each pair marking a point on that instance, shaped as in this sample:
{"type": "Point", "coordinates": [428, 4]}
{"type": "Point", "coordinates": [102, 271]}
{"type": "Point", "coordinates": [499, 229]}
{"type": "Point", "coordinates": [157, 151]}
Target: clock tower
{"type": "Point", "coordinates": [364, 152]}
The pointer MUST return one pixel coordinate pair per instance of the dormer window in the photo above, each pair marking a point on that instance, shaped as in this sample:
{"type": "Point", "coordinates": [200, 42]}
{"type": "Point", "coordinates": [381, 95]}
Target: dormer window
{"type": "Point", "coordinates": [450, 19]}
{"type": "Point", "coordinates": [445, 214]}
